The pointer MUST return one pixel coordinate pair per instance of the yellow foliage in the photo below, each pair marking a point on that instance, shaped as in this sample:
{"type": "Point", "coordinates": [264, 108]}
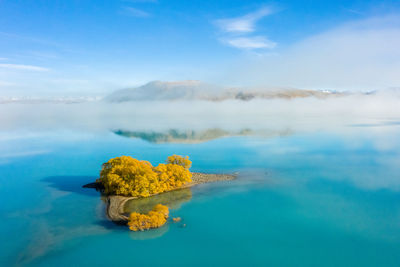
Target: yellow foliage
{"type": "Point", "coordinates": [157, 217]}
{"type": "Point", "coordinates": [131, 177]}
{"type": "Point", "coordinates": [179, 160]}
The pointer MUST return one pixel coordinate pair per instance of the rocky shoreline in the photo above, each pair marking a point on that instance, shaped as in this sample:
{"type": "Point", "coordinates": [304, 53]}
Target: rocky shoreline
{"type": "Point", "coordinates": [115, 205]}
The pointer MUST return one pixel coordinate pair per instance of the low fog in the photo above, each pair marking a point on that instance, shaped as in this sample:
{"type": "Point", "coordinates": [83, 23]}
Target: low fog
{"type": "Point", "coordinates": [298, 115]}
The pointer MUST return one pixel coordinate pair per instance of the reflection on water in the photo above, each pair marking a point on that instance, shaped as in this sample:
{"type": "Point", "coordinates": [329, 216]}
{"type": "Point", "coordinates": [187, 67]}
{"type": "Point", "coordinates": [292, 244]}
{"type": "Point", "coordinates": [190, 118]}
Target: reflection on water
{"type": "Point", "coordinates": [177, 136]}
{"type": "Point", "coordinates": [173, 199]}
{"type": "Point", "coordinates": [150, 234]}
{"type": "Point", "coordinates": [197, 136]}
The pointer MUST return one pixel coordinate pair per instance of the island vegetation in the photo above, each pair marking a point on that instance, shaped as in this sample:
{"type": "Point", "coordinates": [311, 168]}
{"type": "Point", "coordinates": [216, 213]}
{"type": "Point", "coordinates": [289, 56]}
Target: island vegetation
{"type": "Point", "coordinates": [132, 188]}
{"type": "Point", "coordinates": [127, 176]}
{"type": "Point", "coordinates": [157, 217]}
{"type": "Point", "coordinates": [130, 177]}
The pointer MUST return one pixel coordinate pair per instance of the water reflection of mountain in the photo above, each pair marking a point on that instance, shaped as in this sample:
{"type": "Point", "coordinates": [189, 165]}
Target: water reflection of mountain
{"type": "Point", "coordinates": [192, 136]}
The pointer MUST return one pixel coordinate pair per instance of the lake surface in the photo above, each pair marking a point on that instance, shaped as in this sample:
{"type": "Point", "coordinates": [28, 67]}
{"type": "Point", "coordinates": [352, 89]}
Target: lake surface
{"type": "Point", "coordinates": [322, 198]}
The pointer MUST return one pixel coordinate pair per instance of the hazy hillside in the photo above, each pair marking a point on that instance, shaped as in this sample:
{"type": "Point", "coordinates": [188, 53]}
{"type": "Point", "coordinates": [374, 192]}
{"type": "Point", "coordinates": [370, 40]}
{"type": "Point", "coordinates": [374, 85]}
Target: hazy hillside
{"type": "Point", "coordinates": [196, 90]}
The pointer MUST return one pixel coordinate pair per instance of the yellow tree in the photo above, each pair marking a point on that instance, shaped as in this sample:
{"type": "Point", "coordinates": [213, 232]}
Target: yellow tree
{"type": "Point", "coordinates": [179, 160]}
{"type": "Point", "coordinates": [157, 217]}
{"type": "Point", "coordinates": [131, 177]}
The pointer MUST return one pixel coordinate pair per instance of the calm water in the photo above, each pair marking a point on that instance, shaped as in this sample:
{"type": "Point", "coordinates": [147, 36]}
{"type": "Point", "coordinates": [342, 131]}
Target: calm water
{"type": "Point", "coordinates": [323, 198]}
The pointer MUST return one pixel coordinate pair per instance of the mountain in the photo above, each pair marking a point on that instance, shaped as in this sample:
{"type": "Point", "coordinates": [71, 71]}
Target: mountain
{"type": "Point", "coordinates": [196, 90]}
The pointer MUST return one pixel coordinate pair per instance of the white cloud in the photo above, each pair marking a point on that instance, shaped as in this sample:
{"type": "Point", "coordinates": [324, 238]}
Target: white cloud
{"type": "Point", "coordinates": [23, 67]}
{"type": "Point", "coordinates": [236, 31]}
{"type": "Point", "coordinates": [256, 42]}
{"type": "Point", "coordinates": [136, 12]}
{"type": "Point", "coordinates": [244, 24]}
{"type": "Point", "coordinates": [361, 55]}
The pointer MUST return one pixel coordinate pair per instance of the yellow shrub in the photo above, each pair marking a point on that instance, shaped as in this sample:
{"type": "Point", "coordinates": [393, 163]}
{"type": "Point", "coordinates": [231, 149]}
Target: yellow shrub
{"type": "Point", "coordinates": [179, 160]}
{"type": "Point", "coordinates": [157, 217]}
{"type": "Point", "coordinates": [131, 177]}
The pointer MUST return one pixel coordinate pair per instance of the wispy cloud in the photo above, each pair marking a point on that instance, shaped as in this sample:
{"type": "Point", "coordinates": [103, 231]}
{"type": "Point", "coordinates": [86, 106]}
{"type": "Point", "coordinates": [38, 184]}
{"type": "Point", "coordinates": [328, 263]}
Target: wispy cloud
{"type": "Point", "coordinates": [244, 24]}
{"type": "Point", "coordinates": [256, 42]}
{"type": "Point", "coordinates": [30, 39]}
{"type": "Point", "coordinates": [23, 67]}
{"type": "Point", "coordinates": [236, 31]}
{"type": "Point", "coordinates": [136, 12]}
{"type": "Point", "coordinates": [3, 58]}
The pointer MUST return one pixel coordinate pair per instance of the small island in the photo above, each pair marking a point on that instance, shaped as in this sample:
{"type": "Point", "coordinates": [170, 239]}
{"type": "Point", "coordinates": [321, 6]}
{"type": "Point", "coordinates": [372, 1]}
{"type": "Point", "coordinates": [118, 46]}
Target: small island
{"type": "Point", "coordinates": [124, 179]}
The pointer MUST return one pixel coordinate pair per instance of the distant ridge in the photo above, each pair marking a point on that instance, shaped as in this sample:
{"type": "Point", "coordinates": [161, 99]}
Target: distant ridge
{"type": "Point", "coordinates": [196, 90]}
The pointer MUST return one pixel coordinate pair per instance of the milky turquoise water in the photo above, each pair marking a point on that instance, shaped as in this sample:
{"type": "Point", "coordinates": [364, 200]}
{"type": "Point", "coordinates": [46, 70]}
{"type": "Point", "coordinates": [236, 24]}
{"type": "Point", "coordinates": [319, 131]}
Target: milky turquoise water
{"type": "Point", "coordinates": [315, 199]}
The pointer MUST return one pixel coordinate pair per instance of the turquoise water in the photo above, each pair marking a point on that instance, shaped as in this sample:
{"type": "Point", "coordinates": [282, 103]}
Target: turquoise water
{"type": "Point", "coordinates": [315, 199]}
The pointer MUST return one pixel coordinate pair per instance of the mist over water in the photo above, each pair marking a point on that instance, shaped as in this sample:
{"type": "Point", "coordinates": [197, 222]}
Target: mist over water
{"type": "Point", "coordinates": [303, 114]}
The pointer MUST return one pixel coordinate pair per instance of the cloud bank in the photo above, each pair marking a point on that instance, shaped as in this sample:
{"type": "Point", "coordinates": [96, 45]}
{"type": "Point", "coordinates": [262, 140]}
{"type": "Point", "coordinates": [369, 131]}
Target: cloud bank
{"type": "Point", "coordinates": [361, 55]}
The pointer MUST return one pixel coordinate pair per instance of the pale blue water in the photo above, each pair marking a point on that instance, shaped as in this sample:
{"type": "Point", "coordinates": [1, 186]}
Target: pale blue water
{"type": "Point", "coordinates": [320, 199]}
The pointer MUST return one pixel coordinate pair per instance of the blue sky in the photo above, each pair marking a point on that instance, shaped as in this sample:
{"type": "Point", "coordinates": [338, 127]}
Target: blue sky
{"type": "Point", "coordinates": [95, 47]}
